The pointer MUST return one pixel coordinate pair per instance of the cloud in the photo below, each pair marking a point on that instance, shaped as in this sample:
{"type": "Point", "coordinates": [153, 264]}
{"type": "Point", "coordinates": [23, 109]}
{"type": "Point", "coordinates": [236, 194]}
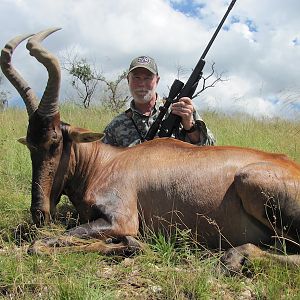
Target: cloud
{"type": "Point", "coordinates": [258, 50]}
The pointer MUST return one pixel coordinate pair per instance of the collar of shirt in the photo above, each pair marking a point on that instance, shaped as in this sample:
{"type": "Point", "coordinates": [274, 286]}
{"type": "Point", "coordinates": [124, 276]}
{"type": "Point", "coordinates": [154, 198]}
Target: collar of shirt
{"type": "Point", "coordinates": [158, 103]}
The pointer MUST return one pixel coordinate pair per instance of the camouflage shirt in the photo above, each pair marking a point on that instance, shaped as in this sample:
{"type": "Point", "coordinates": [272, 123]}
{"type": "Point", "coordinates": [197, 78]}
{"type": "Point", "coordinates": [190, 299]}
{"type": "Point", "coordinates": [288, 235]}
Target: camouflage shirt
{"type": "Point", "coordinates": [130, 127]}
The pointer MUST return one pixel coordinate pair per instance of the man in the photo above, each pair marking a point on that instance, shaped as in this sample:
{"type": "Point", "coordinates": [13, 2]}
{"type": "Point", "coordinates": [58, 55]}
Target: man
{"type": "Point", "coordinates": [130, 127]}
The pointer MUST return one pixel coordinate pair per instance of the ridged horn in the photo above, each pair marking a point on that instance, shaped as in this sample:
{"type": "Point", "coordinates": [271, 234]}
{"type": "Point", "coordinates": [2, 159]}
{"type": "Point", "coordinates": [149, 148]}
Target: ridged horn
{"type": "Point", "coordinates": [14, 77]}
{"type": "Point", "coordinates": [49, 103]}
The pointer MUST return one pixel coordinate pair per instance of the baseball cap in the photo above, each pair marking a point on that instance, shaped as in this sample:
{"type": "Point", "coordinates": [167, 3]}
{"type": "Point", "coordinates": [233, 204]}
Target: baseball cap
{"type": "Point", "coordinates": [144, 62]}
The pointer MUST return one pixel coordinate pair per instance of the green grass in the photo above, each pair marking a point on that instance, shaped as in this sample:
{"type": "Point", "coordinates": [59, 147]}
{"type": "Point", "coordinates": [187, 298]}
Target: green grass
{"type": "Point", "coordinates": [273, 135]}
{"type": "Point", "coordinates": [165, 270]}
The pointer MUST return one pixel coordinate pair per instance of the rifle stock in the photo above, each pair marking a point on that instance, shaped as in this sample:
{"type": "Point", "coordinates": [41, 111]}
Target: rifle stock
{"type": "Point", "coordinates": [166, 128]}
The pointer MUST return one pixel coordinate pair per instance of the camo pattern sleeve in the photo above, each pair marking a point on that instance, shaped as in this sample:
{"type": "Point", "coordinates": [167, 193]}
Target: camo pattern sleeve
{"type": "Point", "coordinates": [208, 137]}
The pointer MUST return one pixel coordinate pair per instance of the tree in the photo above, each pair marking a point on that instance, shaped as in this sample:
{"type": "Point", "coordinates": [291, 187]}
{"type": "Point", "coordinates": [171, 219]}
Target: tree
{"type": "Point", "coordinates": [3, 96]}
{"type": "Point", "coordinates": [208, 81]}
{"type": "Point", "coordinates": [116, 92]}
{"type": "Point", "coordinates": [86, 79]}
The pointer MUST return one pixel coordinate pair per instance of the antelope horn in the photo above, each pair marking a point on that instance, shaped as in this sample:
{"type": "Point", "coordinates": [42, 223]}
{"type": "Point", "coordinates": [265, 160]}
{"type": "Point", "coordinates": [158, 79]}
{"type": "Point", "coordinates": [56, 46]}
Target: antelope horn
{"type": "Point", "coordinates": [49, 103]}
{"type": "Point", "coordinates": [14, 77]}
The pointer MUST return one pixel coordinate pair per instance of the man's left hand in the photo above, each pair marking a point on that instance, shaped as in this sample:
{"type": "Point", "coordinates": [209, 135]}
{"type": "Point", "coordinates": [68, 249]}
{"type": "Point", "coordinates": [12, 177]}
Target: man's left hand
{"type": "Point", "coordinates": [184, 108]}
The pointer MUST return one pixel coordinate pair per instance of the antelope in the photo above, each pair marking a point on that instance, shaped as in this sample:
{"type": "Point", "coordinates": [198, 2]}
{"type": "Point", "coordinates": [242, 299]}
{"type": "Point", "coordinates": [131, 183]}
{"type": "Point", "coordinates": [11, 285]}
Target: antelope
{"type": "Point", "coordinates": [243, 195]}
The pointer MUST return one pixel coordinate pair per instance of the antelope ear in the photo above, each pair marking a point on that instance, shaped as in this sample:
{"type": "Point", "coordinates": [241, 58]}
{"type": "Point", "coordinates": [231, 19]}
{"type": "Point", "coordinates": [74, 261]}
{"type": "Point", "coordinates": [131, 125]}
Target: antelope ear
{"type": "Point", "coordinates": [22, 140]}
{"type": "Point", "coordinates": [80, 135]}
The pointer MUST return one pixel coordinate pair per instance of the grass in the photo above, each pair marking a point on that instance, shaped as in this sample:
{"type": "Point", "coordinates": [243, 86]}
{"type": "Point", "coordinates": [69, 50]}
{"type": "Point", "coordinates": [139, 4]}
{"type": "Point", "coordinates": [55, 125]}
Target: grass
{"type": "Point", "coordinates": [165, 270]}
{"type": "Point", "coordinates": [273, 135]}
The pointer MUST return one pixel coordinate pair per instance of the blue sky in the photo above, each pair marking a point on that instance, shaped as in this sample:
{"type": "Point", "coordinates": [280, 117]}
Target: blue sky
{"type": "Point", "coordinates": [189, 8]}
{"type": "Point", "coordinates": [296, 41]}
{"type": "Point", "coordinates": [258, 48]}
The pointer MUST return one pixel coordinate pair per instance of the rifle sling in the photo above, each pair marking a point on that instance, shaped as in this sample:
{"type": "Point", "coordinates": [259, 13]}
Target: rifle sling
{"type": "Point", "coordinates": [129, 115]}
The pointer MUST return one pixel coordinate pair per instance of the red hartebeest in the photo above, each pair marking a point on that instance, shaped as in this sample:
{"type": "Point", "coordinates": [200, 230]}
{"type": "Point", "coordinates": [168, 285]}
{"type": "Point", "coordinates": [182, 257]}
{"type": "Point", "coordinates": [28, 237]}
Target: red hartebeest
{"type": "Point", "coordinates": [244, 195]}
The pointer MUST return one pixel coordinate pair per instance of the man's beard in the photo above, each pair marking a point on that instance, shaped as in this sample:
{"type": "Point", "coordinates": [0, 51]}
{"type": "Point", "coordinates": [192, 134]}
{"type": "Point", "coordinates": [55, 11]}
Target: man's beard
{"type": "Point", "coordinates": [142, 95]}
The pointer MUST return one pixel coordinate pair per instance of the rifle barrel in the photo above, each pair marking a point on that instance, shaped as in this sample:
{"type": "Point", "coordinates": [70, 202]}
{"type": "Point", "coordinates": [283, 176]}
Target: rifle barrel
{"type": "Point", "coordinates": [166, 127]}
{"type": "Point", "coordinates": [218, 29]}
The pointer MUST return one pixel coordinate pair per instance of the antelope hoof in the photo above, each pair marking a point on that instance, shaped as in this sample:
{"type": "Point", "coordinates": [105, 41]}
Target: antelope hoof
{"type": "Point", "coordinates": [47, 245]}
{"type": "Point", "coordinates": [236, 262]}
{"type": "Point", "coordinates": [133, 246]}
{"type": "Point", "coordinates": [38, 248]}
{"type": "Point", "coordinates": [130, 245]}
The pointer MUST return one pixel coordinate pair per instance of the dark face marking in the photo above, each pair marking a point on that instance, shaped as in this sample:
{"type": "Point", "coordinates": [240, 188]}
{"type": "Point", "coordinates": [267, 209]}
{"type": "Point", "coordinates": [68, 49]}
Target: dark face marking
{"type": "Point", "coordinates": [45, 142]}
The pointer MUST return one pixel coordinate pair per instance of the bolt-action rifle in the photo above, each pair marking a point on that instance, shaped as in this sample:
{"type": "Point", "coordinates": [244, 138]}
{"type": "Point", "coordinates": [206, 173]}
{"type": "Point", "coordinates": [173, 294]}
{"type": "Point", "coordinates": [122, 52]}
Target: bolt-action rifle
{"type": "Point", "coordinates": [165, 128]}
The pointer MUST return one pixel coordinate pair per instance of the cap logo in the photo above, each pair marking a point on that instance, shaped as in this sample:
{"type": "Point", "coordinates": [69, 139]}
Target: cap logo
{"type": "Point", "coordinates": [143, 60]}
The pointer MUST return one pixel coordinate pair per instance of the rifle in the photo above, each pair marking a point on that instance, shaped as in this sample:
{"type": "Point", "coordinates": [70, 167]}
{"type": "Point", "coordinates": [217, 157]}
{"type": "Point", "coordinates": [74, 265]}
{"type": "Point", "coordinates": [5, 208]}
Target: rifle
{"type": "Point", "coordinates": [165, 128]}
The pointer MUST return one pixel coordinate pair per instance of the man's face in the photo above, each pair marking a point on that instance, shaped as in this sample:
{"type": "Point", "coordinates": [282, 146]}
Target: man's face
{"type": "Point", "coordinates": [142, 85]}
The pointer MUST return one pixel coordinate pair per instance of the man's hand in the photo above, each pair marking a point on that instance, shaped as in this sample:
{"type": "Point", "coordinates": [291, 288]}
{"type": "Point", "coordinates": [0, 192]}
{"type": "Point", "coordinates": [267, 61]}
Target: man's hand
{"type": "Point", "coordinates": [184, 108]}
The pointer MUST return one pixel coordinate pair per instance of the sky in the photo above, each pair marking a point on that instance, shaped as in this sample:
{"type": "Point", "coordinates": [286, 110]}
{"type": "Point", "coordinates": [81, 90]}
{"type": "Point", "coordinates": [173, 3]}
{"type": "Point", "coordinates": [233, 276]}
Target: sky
{"type": "Point", "coordinates": [257, 50]}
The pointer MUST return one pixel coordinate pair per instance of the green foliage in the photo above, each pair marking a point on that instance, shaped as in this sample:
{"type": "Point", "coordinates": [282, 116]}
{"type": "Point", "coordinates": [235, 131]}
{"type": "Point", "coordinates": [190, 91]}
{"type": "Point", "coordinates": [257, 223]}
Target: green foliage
{"type": "Point", "coordinates": [3, 95]}
{"type": "Point", "coordinates": [116, 93]}
{"type": "Point", "coordinates": [165, 247]}
{"type": "Point", "coordinates": [170, 268]}
{"type": "Point", "coordinates": [85, 79]}
{"type": "Point", "coordinates": [82, 71]}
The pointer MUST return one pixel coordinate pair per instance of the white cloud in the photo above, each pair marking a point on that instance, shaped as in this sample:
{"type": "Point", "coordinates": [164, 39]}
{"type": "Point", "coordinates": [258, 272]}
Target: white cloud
{"type": "Point", "coordinates": [243, 29]}
{"type": "Point", "coordinates": [261, 64]}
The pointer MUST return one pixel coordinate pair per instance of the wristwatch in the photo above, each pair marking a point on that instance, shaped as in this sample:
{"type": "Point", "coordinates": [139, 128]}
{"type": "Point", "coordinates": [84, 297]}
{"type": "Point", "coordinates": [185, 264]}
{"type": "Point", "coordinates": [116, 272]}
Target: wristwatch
{"type": "Point", "coordinates": [192, 129]}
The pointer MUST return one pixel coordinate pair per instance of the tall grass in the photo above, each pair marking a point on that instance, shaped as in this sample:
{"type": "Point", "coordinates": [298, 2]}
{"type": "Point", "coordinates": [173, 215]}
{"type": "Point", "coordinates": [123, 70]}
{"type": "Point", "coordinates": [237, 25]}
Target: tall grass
{"type": "Point", "coordinates": [273, 135]}
{"type": "Point", "coordinates": [164, 270]}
